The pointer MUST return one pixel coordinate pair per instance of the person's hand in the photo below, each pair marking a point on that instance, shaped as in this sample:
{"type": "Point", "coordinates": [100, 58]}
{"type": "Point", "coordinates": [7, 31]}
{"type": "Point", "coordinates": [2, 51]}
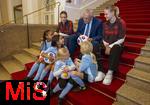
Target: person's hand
{"type": "Point", "coordinates": [51, 58]}
{"type": "Point", "coordinates": [40, 59]}
{"type": "Point", "coordinates": [55, 33]}
{"type": "Point", "coordinates": [90, 39]}
{"type": "Point", "coordinates": [107, 50]}
{"type": "Point", "coordinates": [66, 69]}
{"type": "Point", "coordinates": [42, 54]}
{"type": "Point", "coordinates": [74, 72]}
{"type": "Point", "coordinates": [105, 43]}
{"type": "Point", "coordinates": [77, 60]}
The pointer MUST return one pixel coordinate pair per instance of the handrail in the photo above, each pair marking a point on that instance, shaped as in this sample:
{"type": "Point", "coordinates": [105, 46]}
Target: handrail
{"type": "Point", "coordinates": [27, 22]}
{"type": "Point", "coordinates": [33, 13]}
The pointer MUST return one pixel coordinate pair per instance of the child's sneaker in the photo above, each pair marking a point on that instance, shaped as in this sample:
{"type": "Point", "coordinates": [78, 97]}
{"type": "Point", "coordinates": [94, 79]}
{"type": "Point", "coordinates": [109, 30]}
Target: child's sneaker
{"type": "Point", "coordinates": [83, 88]}
{"type": "Point", "coordinates": [60, 101]}
{"type": "Point", "coordinates": [27, 78]}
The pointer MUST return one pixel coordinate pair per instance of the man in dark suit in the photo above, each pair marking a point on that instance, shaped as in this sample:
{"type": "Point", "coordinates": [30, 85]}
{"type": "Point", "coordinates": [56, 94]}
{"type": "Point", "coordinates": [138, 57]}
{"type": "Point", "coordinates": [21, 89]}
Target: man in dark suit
{"type": "Point", "coordinates": [91, 27]}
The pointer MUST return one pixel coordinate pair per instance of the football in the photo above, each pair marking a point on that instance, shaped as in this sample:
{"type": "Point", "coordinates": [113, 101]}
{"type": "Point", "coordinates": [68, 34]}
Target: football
{"type": "Point", "coordinates": [82, 38]}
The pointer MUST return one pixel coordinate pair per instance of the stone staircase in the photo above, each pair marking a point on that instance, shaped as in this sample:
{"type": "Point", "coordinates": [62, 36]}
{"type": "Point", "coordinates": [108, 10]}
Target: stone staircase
{"type": "Point", "coordinates": [17, 62]}
{"type": "Point", "coordinates": [136, 90]}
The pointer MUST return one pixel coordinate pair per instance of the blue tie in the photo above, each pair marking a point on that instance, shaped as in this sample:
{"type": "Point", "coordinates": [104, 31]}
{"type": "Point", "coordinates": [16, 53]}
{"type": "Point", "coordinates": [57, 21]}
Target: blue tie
{"type": "Point", "coordinates": [87, 30]}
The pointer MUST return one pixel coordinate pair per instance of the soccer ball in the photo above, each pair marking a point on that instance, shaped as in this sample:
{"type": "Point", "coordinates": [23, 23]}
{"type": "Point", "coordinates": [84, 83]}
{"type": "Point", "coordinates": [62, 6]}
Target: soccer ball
{"type": "Point", "coordinates": [53, 55]}
{"type": "Point", "coordinates": [82, 38]}
{"type": "Point", "coordinates": [65, 75]}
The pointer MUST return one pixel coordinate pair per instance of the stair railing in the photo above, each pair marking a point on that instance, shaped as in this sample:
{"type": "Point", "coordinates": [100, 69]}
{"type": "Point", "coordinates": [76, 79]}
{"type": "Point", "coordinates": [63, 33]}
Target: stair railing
{"type": "Point", "coordinates": [26, 17]}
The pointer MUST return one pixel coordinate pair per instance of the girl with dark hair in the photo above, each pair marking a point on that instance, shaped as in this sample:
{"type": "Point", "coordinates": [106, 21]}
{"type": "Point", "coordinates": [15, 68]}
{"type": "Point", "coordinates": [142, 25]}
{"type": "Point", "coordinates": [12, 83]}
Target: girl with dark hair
{"type": "Point", "coordinates": [46, 43]}
{"type": "Point", "coordinates": [65, 26]}
{"type": "Point", "coordinates": [57, 43]}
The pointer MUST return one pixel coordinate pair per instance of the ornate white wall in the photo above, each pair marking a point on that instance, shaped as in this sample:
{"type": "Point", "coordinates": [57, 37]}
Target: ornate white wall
{"type": "Point", "coordinates": [76, 8]}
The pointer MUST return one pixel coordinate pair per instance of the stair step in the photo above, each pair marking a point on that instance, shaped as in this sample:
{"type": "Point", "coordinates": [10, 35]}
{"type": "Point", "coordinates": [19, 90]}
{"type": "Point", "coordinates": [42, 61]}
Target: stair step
{"type": "Point", "coordinates": [138, 31]}
{"type": "Point", "coordinates": [132, 3]}
{"type": "Point", "coordinates": [128, 58]}
{"type": "Point", "coordinates": [139, 79]}
{"type": "Point", "coordinates": [4, 75]}
{"type": "Point", "coordinates": [109, 90]}
{"type": "Point", "coordinates": [131, 16]}
{"type": "Point", "coordinates": [132, 96]}
{"type": "Point", "coordinates": [135, 11]}
{"type": "Point", "coordinates": [148, 42]}
{"type": "Point", "coordinates": [92, 96]}
{"type": "Point", "coordinates": [139, 25]}
{"type": "Point", "coordinates": [139, 39]}
{"type": "Point", "coordinates": [23, 58]}
{"type": "Point", "coordinates": [32, 52]}
{"type": "Point", "coordinates": [133, 6]}
{"type": "Point", "coordinates": [118, 103]}
{"type": "Point", "coordinates": [12, 66]}
{"type": "Point", "coordinates": [36, 45]}
{"type": "Point", "coordinates": [137, 20]}
{"type": "Point", "coordinates": [145, 51]}
{"type": "Point", "coordinates": [142, 62]}
{"type": "Point", "coordinates": [134, 16]}
{"type": "Point", "coordinates": [133, 47]}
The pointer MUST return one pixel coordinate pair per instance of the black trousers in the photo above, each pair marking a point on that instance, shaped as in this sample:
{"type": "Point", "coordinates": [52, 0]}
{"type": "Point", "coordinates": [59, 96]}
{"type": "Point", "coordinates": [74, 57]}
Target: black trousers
{"type": "Point", "coordinates": [63, 82]}
{"type": "Point", "coordinates": [97, 51]}
{"type": "Point", "coordinates": [114, 57]}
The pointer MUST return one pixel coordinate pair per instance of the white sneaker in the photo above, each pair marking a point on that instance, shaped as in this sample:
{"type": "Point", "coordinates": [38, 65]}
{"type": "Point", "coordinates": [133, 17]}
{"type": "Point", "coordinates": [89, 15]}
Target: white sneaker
{"type": "Point", "coordinates": [44, 93]}
{"type": "Point", "coordinates": [100, 76]}
{"type": "Point", "coordinates": [108, 79]}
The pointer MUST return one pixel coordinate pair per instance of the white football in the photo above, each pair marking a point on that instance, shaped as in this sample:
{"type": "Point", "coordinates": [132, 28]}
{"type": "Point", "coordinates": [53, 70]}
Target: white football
{"type": "Point", "coordinates": [82, 38]}
{"type": "Point", "coordinates": [53, 55]}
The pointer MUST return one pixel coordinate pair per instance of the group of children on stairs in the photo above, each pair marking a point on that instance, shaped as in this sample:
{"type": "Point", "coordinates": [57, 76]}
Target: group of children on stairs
{"type": "Point", "coordinates": [55, 60]}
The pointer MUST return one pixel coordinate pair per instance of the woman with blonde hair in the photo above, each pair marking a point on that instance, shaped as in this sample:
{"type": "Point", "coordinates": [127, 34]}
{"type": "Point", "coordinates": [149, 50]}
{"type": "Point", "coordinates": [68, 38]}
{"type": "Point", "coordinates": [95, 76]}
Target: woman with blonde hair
{"type": "Point", "coordinates": [114, 30]}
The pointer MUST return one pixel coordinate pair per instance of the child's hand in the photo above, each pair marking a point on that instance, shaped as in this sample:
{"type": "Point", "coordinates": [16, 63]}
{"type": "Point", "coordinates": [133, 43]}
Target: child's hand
{"type": "Point", "coordinates": [77, 62]}
{"type": "Point", "coordinates": [42, 54]}
{"type": "Point", "coordinates": [41, 59]}
{"type": "Point", "coordinates": [51, 59]}
{"type": "Point", "coordinates": [76, 73]}
{"type": "Point", "coordinates": [66, 69]}
{"type": "Point", "coordinates": [55, 33]}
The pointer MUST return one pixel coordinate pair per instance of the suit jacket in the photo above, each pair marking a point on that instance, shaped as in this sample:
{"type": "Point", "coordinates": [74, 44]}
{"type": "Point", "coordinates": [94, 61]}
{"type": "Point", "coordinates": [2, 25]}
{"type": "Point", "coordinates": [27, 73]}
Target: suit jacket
{"type": "Point", "coordinates": [96, 29]}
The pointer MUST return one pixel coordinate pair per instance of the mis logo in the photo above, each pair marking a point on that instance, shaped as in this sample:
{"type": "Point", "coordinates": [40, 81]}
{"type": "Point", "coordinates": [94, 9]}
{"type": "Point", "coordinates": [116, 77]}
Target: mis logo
{"type": "Point", "coordinates": [24, 92]}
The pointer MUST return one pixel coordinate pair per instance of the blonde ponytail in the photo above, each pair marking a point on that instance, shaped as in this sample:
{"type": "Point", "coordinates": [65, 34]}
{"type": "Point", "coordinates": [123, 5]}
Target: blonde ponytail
{"type": "Point", "coordinates": [93, 58]}
{"type": "Point", "coordinates": [114, 9]}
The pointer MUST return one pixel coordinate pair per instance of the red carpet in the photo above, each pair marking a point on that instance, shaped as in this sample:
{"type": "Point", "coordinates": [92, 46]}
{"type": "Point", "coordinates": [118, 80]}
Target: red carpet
{"type": "Point", "coordinates": [136, 13]}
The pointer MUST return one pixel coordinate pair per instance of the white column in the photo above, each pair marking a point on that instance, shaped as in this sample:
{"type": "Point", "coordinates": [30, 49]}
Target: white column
{"type": "Point", "coordinates": [28, 7]}
{"type": "Point", "coordinates": [62, 7]}
{"type": "Point", "coordinates": [11, 4]}
{"type": "Point", "coordinates": [0, 18]}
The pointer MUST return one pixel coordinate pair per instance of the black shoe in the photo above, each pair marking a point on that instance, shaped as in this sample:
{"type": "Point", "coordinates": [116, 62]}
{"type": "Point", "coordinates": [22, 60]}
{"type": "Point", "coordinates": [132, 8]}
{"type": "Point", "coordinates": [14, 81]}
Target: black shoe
{"type": "Point", "coordinates": [27, 78]}
{"type": "Point", "coordinates": [83, 88]}
{"type": "Point", "coordinates": [51, 92]}
{"type": "Point", "coordinates": [60, 101]}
